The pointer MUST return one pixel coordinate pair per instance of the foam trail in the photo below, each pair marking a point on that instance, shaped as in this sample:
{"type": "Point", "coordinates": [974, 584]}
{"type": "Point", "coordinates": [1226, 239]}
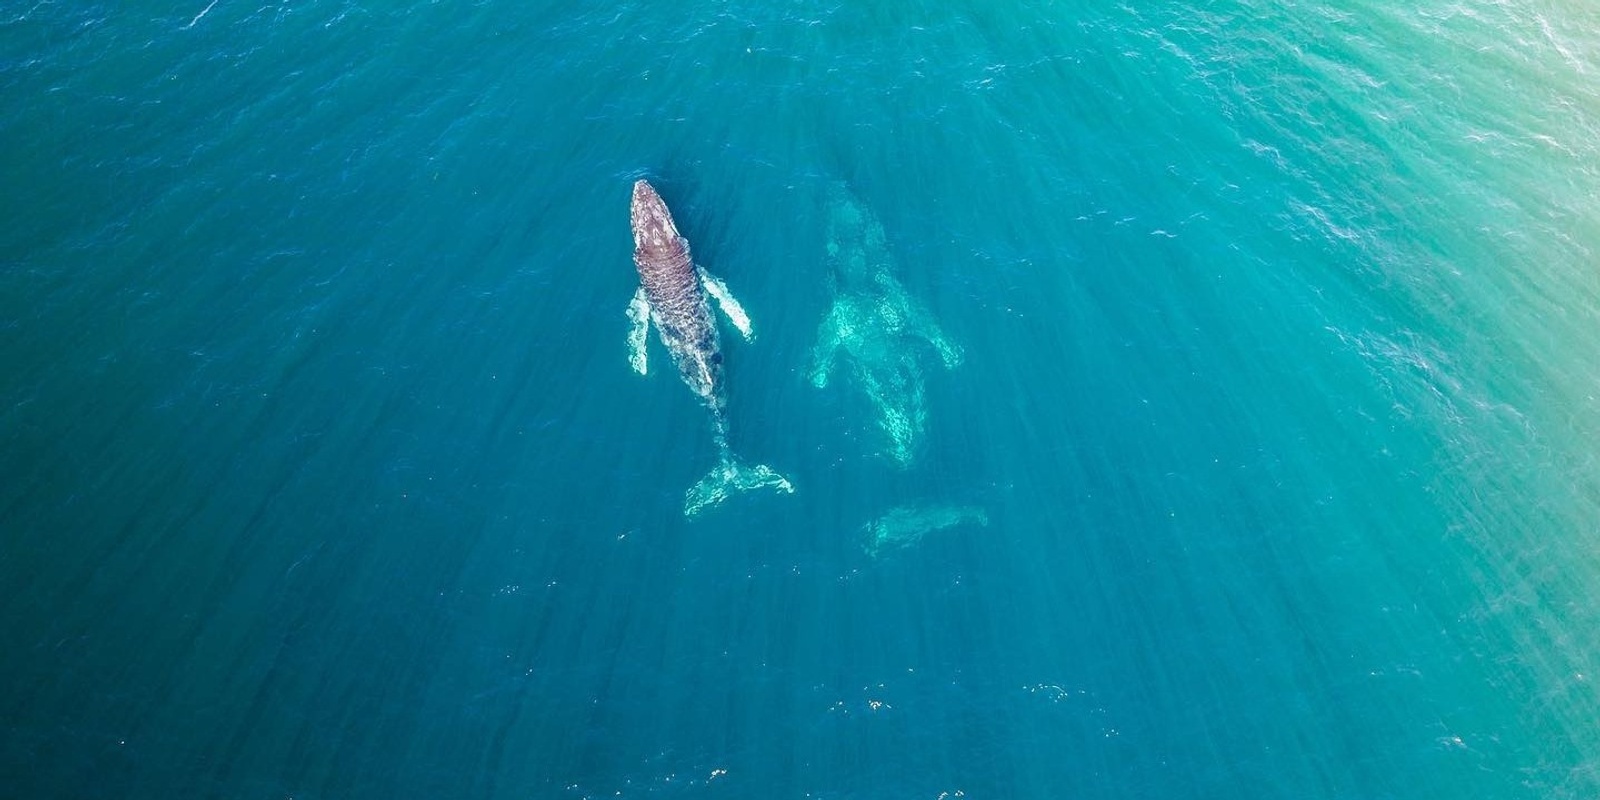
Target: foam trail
{"type": "Point", "coordinates": [197, 17]}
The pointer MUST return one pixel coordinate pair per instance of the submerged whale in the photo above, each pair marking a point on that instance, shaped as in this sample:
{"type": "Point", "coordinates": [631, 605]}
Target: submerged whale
{"type": "Point", "coordinates": [904, 526]}
{"type": "Point", "coordinates": [876, 330]}
{"type": "Point", "coordinates": [674, 295]}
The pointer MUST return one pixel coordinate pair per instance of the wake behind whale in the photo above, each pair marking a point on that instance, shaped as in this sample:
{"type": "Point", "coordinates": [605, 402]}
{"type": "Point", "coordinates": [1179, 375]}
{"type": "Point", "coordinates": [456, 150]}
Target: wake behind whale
{"type": "Point", "coordinates": [674, 295]}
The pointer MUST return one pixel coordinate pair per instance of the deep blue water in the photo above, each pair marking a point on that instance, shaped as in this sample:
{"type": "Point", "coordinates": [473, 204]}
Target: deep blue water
{"type": "Point", "coordinates": [1261, 461]}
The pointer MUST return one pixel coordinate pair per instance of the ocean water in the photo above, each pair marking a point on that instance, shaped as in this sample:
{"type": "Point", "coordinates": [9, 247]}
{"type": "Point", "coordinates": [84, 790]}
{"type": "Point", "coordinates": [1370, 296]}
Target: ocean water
{"type": "Point", "coordinates": [1213, 411]}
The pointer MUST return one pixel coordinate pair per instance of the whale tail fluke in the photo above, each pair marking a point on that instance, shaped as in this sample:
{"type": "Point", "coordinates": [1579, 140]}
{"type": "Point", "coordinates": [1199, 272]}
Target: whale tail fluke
{"type": "Point", "coordinates": [730, 477]}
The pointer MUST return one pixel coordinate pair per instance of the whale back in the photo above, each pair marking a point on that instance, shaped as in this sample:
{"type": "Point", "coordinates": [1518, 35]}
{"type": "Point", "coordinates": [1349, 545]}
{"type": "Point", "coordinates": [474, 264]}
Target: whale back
{"type": "Point", "coordinates": [662, 255]}
{"type": "Point", "coordinates": [677, 301]}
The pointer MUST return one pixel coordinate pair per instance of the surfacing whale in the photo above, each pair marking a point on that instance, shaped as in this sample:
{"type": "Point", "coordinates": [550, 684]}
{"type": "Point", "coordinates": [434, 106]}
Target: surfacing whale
{"type": "Point", "coordinates": [673, 295]}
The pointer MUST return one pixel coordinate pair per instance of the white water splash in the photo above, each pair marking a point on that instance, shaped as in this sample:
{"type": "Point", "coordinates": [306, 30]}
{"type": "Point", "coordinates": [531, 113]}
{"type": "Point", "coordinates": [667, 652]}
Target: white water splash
{"type": "Point", "coordinates": [197, 17]}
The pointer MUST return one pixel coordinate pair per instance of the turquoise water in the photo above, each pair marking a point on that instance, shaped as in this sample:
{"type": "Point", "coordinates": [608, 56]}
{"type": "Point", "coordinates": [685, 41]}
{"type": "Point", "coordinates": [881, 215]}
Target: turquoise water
{"type": "Point", "coordinates": [1267, 467]}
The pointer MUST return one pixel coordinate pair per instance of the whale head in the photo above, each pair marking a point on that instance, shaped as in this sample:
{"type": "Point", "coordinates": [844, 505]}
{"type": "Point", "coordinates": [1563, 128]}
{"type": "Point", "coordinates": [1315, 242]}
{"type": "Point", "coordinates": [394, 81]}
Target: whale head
{"type": "Point", "coordinates": [653, 229]}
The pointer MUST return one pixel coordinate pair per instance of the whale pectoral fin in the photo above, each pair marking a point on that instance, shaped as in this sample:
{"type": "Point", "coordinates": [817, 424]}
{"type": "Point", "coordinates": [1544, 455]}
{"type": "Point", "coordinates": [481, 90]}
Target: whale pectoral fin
{"type": "Point", "coordinates": [638, 329]}
{"type": "Point", "coordinates": [949, 352]}
{"type": "Point", "coordinates": [725, 301]}
{"type": "Point", "coordinates": [821, 372]}
{"type": "Point", "coordinates": [829, 338]}
{"type": "Point", "coordinates": [927, 328]}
